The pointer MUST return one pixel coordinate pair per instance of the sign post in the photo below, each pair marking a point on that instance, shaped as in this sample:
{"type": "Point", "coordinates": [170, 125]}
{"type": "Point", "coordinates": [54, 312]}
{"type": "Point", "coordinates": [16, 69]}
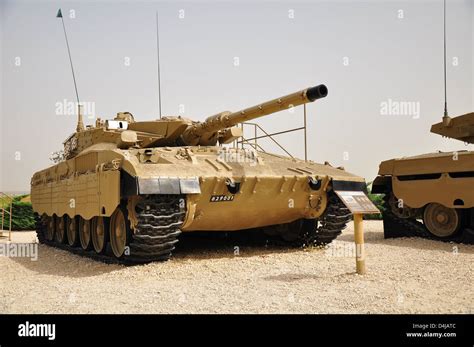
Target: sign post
{"type": "Point", "coordinates": [359, 243]}
{"type": "Point", "coordinates": [359, 204]}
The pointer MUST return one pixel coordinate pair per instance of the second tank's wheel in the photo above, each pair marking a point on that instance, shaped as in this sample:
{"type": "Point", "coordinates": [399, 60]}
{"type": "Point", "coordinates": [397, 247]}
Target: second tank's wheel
{"type": "Point", "coordinates": [60, 233]}
{"type": "Point", "coordinates": [85, 233]}
{"type": "Point", "coordinates": [71, 229]}
{"type": "Point", "coordinates": [50, 228]}
{"type": "Point", "coordinates": [441, 221]}
{"type": "Point", "coordinates": [119, 232]}
{"type": "Point", "coordinates": [99, 234]}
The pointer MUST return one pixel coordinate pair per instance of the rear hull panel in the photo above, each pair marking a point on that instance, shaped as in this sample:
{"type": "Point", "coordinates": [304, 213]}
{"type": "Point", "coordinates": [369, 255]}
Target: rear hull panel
{"type": "Point", "coordinates": [88, 195]}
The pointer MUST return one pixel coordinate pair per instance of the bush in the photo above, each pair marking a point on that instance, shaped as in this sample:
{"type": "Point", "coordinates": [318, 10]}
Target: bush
{"type": "Point", "coordinates": [377, 199]}
{"type": "Point", "coordinates": [23, 215]}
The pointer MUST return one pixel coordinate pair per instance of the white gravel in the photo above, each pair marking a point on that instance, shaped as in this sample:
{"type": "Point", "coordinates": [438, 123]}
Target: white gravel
{"type": "Point", "coordinates": [207, 275]}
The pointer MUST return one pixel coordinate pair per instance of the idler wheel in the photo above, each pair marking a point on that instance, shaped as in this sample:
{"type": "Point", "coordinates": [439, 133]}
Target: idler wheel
{"type": "Point", "coordinates": [441, 221]}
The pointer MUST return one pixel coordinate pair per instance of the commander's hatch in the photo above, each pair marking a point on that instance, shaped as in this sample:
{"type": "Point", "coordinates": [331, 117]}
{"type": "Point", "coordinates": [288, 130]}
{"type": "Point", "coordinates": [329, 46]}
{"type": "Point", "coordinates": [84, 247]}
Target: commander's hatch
{"type": "Point", "coordinates": [459, 128]}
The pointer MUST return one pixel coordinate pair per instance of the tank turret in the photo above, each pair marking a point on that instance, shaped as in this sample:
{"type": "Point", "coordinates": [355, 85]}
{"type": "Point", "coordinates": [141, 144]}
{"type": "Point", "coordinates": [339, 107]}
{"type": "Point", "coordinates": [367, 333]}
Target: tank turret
{"type": "Point", "coordinates": [207, 132]}
{"type": "Point", "coordinates": [459, 128]}
{"type": "Point", "coordinates": [124, 132]}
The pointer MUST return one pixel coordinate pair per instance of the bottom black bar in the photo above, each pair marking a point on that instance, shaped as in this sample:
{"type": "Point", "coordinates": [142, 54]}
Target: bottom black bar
{"type": "Point", "coordinates": [62, 330]}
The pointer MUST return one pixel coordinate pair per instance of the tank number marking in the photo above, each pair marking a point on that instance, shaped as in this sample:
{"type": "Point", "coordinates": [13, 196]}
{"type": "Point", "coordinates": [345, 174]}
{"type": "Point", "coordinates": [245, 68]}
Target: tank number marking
{"type": "Point", "coordinates": [221, 198]}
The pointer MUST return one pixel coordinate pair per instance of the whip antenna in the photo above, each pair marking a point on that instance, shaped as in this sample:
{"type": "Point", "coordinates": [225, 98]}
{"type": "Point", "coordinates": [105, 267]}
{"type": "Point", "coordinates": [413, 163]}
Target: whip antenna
{"type": "Point", "coordinates": [158, 64]}
{"type": "Point", "coordinates": [444, 44]}
{"type": "Point", "coordinates": [80, 125]}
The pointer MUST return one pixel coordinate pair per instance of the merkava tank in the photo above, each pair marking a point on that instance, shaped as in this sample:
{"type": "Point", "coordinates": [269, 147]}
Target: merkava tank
{"type": "Point", "coordinates": [431, 195]}
{"type": "Point", "coordinates": [126, 189]}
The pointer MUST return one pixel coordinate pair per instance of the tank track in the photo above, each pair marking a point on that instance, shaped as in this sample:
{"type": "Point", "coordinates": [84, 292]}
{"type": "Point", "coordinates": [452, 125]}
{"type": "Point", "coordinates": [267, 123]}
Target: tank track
{"type": "Point", "coordinates": [332, 222]}
{"type": "Point", "coordinates": [156, 233]}
{"type": "Point", "coordinates": [410, 227]}
{"type": "Point", "coordinates": [158, 228]}
{"type": "Point", "coordinates": [322, 231]}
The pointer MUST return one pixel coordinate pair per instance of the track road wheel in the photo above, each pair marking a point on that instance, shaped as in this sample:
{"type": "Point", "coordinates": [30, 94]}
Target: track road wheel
{"type": "Point", "coordinates": [99, 234]}
{"type": "Point", "coordinates": [441, 221]}
{"type": "Point", "coordinates": [119, 232]}
{"type": "Point", "coordinates": [71, 229]}
{"type": "Point", "coordinates": [85, 233]}
{"type": "Point", "coordinates": [50, 228]}
{"type": "Point", "coordinates": [60, 234]}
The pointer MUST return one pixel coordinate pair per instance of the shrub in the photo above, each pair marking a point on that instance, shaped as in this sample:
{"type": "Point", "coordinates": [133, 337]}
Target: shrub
{"type": "Point", "coordinates": [23, 215]}
{"type": "Point", "coordinates": [377, 199]}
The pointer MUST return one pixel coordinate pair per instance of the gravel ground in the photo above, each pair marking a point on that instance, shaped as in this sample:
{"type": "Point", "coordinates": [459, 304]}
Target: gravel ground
{"type": "Point", "coordinates": [234, 275]}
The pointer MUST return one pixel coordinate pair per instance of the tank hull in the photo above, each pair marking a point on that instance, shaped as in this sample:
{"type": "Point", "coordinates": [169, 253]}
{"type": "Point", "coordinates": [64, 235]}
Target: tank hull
{"type": "Point", "coordinates": [414, 186]}
{"type": "Point", "coordinates": [217, 189]}
{"type": "Point", "coordinates": [272, 189]}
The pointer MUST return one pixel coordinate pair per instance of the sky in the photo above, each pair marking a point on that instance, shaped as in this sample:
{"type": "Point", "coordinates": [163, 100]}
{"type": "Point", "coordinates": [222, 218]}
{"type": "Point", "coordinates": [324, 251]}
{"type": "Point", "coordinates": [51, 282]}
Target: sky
{"type": "Point", "coordinates": [382, 62]}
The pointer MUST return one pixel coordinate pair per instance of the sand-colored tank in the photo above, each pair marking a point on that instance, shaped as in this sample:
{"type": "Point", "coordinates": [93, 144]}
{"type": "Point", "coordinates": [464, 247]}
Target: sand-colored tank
{"type": "Point", "coordinates": [431, 195]}
{"type": "Point", "coordinates": [126, 189]}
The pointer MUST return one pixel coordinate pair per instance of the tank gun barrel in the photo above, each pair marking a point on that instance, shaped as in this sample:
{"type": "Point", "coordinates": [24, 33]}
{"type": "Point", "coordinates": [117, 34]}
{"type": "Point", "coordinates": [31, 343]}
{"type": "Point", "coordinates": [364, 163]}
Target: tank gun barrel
{"type": "Point", "coordinates": [213, 124]}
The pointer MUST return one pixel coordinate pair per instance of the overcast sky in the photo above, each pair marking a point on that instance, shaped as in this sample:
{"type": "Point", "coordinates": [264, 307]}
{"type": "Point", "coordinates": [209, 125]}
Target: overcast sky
{"type": "Point", "coordinates": [372, 55]}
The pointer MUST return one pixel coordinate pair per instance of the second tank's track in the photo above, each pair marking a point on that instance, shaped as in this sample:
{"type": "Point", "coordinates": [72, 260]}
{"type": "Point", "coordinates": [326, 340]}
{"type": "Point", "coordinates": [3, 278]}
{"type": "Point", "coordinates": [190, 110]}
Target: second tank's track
{"type": "Point", "coordinates": [156, 233]}
{"type": "Point", "coordinates": [410, 227]}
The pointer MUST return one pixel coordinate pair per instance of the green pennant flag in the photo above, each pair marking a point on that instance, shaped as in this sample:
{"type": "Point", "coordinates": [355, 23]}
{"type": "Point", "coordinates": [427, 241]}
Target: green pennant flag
{"type": "Point", "coordinates": [60, 14]}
